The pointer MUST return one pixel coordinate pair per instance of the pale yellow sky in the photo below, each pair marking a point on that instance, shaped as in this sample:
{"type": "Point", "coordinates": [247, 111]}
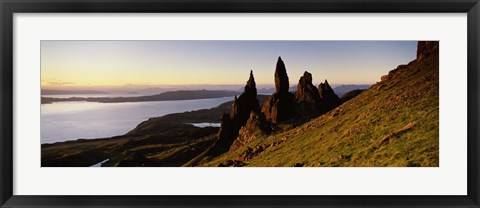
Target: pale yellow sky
{"type": "Point", "coordinates": [70, 64]}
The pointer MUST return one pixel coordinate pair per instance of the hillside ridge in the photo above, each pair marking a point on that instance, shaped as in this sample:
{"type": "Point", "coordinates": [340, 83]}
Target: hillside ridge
{"type": "Point", "coordinates": [395, 122]}
{"type": "Point", "coordinates": [392, 123]}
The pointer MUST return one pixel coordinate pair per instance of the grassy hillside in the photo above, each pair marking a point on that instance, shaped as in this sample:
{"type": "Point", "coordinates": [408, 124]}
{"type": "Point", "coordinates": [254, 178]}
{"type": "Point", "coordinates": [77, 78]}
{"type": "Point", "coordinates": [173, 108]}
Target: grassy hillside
{"type": "Point", "coordinates": [393, 123]}
{"type": "Point", "coordinates": [171, 145]}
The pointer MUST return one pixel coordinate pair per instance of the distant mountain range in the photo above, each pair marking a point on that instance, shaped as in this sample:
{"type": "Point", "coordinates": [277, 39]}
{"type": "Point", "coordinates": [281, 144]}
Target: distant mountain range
{"type": "Point", "coordinates": [339, 90]}
{"type": "Point", "coordinates": [172, 95]}
{"type": "Point", "coordinates": [71, 92]}
{"type": "Point", "coordinates": [342, 89]}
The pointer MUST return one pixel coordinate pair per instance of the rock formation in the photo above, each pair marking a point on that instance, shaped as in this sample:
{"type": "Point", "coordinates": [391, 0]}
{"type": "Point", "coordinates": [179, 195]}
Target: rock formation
{"type": "Point", "coordinates": [247, 121]}
{"type": "Point", "coordinates": [281, 77]}
{"type": "Point", "coordinates": [225, 136]}
{"type": "Point", "coordinates": [231, 123]}
{"type": "Point", "coordinates": [256, 126]}
{"type": "Point", "coordinates": [279, 106]}
{"type": "Point", "coordinates": [307, 99]}
{"type": "Point", "coordinates": [246, 103]}
{"type": "Point", "coordinates": [425, 48]}
{"type": "Point", "coordinates": [392, 73]}
{"type": "Point", "coordinates": [328, 99]}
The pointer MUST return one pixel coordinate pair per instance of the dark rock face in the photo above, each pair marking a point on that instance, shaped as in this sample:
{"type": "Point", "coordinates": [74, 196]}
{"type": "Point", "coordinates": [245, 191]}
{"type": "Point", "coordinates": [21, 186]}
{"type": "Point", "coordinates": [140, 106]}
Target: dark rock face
{"type": "Point", "coordinates": [247, 120]}
{"type": "Point", "coordinates": [257, 125]}
{"type": "Point", "coordinates": [310, 101]}
{"type": "Point", "coordinates": [246, 103]}
{"type": "Point", "coordinates": [307, 99]}
{"type": "Point", "coordinates": [225, 135]}
{"type": "Point", "coordinates": [425, 48]}
{"type": "Point", "coordinates": [281, 77]}
{"type": "Point", "coordinates": [242, 106]}
{"type": "Point", "coordinates": [328, 99]}
{"type": "Point", "coordinates": [307, 102]}
{"type": "Point", "coordinates": [279, 106]}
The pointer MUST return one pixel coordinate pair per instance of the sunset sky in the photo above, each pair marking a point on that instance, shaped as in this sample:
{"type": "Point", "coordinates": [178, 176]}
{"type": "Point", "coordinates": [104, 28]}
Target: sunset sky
{"type": "Point", "coordinates": [90, 64]}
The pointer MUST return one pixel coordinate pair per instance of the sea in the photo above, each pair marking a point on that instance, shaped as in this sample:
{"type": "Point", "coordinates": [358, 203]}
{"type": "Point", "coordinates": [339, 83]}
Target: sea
{"type": "Point", "coordinates": [64, 121]}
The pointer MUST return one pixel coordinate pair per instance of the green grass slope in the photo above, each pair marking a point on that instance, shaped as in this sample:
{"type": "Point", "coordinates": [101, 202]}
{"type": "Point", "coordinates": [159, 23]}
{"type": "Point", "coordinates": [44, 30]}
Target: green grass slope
{"type": "Point", "coordinates": [393, 123]}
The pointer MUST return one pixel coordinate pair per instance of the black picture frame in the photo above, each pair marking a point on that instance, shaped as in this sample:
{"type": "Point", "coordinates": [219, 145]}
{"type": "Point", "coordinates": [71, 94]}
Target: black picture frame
{"type": "Point", "coordinates": [9, 7]}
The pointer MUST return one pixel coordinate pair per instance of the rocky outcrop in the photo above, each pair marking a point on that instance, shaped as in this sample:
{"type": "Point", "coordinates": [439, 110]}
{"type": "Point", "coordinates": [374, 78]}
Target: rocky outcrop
{"type": "Point", "coordinates": [307, 98]}
{"type": "Point", "coordinates": [231, 123]}
{"type": "Point", "coordinates": [425, 48]}
{"type": "Point", "coordinates": [279, 106]}
{"type": "Point", "coordinates": [328, 99]}
{"type": "Point", "coordinates": [281, 77]}
{"type": "Point", "coordinates": [225, 136]}
{"type": "Point", "coordinates": [392, 73]}
{"type": "Point", "coordinates": [307, 102]}
{"type": "Point", "coordinates": [246, 103]}
{"type": "Point", "coordinates": [256, 126]}
{"type": "Point", "coordinates": [247, 120]}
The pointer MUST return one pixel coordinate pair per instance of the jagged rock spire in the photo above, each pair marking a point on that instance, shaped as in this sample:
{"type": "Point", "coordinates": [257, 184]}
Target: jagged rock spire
{"type": "Point", "coordinates": [247, 101]}
{"type": "Point", "coordinates": [307, 78]}
{"type": "Point", "coordinates": [251, 77]}
{"type": "Point", "coordinates": [305, 86]}
{"type": "Point", "coordinates": [279, 106]}
{"type": "Point", "coordinates": [324, 88]}
{"type": "Point", "coordinates": [328, 99]}
{"type": "Point", "coordinates": [230, 125]}
{"type": "Point", "coordinates": [281, 77]}
{"type": "Point", "coordinates": [307, 98]}
{"type": "Point", "coordinates": [251, 87]}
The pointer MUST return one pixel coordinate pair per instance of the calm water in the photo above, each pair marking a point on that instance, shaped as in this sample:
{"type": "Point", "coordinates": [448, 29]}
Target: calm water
{"type": "Point", "coordinates": [202, 125]}
{"type": "Point", "coordinates": [100, 163]}
{"type": "Point", "coordinates": [87, 120]}
{"type": "Point", "coordinates": [98, 95]}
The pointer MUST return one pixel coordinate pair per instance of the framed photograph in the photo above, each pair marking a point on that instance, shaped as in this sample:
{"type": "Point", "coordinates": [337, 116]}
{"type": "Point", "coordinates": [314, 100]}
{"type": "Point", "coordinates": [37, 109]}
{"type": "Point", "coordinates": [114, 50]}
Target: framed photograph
{"type": "Point", "coordinates": [264, 103]}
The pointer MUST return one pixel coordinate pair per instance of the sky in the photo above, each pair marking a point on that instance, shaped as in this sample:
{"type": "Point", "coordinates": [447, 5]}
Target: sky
{"type": "Point", "coordinates": [91, 64]}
